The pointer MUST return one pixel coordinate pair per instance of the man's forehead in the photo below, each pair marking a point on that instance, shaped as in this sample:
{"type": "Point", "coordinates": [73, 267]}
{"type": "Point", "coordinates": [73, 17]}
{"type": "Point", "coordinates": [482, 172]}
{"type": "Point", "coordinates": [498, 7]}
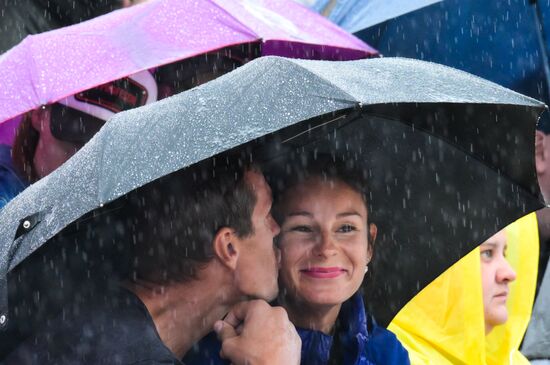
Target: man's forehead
{"type": "Point", "coordinates": [256, 180]}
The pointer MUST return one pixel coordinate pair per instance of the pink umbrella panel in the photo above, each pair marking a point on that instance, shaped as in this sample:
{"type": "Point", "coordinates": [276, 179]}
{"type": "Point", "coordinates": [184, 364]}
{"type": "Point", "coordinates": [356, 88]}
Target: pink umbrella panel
{"type": "Point", "coordinates": [47, 67]}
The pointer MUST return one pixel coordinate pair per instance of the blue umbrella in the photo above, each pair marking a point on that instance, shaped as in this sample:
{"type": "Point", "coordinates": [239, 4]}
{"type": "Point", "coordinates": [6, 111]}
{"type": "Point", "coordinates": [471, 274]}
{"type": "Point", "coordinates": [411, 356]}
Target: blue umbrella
{"type": "Point", "coordinates": [502, 41]}
{"type": "Point", "coordinates": [355, 15]}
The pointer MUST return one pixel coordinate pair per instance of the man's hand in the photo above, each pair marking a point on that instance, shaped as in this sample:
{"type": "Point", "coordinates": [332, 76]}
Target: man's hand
{"type": "Point", "coordinates": [254, 333]}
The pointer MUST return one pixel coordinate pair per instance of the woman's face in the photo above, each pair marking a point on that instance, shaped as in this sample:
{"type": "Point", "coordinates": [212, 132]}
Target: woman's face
{"type": "Point", "coordinates": [323, 241]}
{"type": "Point", "coordinates": [50, 152]}
{"type": "Point", "coordinates": [496, 273]}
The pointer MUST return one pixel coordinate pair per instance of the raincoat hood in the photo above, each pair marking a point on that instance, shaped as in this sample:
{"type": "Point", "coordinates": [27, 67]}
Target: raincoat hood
{"type": "Point", "coordinates": [444, 323]}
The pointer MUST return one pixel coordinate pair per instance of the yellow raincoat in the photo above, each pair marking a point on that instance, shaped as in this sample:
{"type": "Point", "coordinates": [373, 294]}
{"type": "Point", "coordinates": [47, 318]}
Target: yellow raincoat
{"type": "Point", "coordinates": [444, 323]}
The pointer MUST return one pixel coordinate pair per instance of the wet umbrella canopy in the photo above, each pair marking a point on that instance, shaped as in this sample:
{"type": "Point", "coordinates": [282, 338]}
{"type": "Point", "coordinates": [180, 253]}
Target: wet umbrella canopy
{"type": "Point", "coordinates": [449, 158]}
{"type": "Point", "coordinates": [42, 68]}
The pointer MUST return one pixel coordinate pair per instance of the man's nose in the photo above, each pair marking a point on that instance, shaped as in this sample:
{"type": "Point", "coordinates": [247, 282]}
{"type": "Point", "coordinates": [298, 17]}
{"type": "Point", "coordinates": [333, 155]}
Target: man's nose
{"type": "Point", "coordinates": [505, 272]}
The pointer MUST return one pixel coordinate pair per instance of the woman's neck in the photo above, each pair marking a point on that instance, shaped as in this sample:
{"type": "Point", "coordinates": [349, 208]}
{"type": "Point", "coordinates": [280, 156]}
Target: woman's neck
{"type": "Point", "coordinates": [312, 316]}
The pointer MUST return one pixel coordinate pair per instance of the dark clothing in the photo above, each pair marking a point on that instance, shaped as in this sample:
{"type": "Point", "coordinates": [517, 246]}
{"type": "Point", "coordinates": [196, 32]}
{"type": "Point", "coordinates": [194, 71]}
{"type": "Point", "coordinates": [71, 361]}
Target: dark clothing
{"type": "Point", "coordinates": [19, 18]}
{"type": "Point", "coordinates": [359, 341]}
{"type": "Point", "coordinates": [10, 183]}
{"type": "Point", "coordinates": [536, 344]}
{"type": "Point", "coordinates": [115, 329]}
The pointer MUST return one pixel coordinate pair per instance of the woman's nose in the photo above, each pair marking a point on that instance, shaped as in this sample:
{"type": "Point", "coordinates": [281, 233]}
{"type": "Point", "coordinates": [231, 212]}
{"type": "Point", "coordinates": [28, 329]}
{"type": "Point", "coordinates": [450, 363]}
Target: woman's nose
{"type": "Point", "coordinates": [326, 245]}
{"type": "Point", "coordinates": [505, 272]}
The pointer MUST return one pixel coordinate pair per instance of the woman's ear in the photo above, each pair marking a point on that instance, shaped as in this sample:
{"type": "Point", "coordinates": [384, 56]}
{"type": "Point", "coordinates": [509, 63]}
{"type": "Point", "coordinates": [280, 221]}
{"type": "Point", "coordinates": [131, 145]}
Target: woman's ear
{"type": "Point", "coordinates": [226, 247]}
{"type": "Point", "coordinates": [373, 230]}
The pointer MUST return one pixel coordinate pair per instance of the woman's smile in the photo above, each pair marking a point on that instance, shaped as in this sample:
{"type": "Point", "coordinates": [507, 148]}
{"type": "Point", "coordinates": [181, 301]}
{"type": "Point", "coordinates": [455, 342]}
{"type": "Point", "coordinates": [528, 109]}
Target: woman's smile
{"type": "Point", "coordinates": [317, 272]}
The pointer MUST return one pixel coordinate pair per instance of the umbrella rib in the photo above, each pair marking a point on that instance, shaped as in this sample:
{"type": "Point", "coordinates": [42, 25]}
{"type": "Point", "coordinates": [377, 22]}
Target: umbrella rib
{"type": "Point", "coordinates": [313, 128]}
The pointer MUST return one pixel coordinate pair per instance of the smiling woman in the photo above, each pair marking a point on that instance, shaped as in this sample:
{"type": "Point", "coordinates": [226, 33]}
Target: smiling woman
{"type": "Point", "coordinates": [326, 244]}
{"type": "Point", "coordinates": [325, 249]}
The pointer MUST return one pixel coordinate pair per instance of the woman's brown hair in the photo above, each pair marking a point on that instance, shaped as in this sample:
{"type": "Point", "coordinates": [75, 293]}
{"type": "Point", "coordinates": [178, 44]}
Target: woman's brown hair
{"type": "Point", "coordinates": [23, 149]}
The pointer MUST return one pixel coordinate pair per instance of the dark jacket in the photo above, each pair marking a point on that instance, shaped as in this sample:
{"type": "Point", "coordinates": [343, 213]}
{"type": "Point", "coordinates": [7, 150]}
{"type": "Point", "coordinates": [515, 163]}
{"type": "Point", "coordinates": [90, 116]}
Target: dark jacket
{"type": "Point", "coordinates": [358, 339]}
{"type": "Point", "coordinates": [113, 328]}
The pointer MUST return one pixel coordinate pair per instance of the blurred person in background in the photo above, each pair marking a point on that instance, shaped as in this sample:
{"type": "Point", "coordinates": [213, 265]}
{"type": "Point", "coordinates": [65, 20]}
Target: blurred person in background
{"type": "Point", "coordinates": [50, 135]}
{"type": "Point", "coordinates": [20, 18]}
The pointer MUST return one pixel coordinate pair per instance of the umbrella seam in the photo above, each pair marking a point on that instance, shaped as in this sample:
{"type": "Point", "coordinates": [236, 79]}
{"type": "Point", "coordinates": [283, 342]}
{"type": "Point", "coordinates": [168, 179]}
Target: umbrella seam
{"type": "Point", "coordinates": [215, 2]}
{"type": "Point", "coordinates": [353, 101]}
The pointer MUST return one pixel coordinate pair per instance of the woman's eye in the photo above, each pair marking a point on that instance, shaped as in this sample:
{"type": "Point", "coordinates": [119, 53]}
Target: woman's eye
{"type": "Point", "coordinates": [347, 228]}
{"type": "Point", "coordinates": [487, 254]}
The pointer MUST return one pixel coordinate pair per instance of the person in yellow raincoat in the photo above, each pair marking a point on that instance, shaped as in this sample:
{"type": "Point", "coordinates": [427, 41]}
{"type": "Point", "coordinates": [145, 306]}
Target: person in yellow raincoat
{"type": "Point", "coordinates": [445, 322]}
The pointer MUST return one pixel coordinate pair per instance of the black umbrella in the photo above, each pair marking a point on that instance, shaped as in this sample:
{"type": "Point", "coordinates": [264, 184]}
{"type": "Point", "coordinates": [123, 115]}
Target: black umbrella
{"type": "Point", "coordinates": [449, 157]}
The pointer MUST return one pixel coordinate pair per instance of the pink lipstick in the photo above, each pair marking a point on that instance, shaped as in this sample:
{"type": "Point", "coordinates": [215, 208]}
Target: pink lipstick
{"type": "Point", "coordinates": [323, 272]}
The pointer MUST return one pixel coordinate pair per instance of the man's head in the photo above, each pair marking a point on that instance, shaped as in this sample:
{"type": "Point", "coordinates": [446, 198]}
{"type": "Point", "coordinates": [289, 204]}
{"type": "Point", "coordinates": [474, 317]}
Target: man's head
{"type": "Point", "coordinates": [202, 215]}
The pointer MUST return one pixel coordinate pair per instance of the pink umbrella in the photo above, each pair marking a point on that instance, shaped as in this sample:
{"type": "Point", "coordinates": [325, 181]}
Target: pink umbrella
{"type": "Point", "coordinates": [47, 67]}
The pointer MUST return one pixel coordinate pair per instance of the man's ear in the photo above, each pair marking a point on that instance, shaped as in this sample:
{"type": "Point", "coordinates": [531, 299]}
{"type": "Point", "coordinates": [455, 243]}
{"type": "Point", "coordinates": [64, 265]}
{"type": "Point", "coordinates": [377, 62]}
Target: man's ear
{"type": "Point", "coordinates": [373, 231]}
{"type": "Point", "coordinates": [226, 247]}
{"type": "Point", "coordinates": [540, 152]}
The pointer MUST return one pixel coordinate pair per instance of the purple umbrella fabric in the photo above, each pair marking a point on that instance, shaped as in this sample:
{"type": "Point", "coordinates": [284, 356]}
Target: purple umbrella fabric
{"type": "Point", "coordinates": [47, 67]}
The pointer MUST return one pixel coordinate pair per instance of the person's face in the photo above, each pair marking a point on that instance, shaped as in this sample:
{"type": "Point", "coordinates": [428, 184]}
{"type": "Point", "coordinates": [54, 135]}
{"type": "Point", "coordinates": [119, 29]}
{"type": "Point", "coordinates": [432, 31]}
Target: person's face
{"type": "Point", "coordinates": [50, 152]}
{"type": "Point", "coordinates": [323, 241]}
{"type": "Point", "coordinates": [496, 273]}
{"type": "Point", "coordinates": [542, 162]}
{"type": "Point", "coordinates": [256, 273]}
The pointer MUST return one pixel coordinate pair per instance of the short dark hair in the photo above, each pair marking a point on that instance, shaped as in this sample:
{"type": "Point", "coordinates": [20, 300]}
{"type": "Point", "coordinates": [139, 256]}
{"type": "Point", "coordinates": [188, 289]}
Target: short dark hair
{"type": "Point", "coordinates": [174, 220]}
